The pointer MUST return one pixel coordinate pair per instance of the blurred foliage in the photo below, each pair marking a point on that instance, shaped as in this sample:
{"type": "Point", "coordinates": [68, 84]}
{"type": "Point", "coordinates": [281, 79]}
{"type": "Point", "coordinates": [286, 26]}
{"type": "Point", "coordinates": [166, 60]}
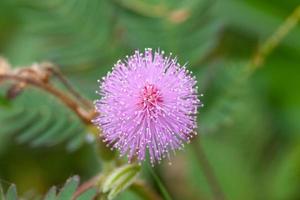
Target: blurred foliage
{"type": "Point", "coordinates": [67, 192]}
{"type": "Point", "coordinates": [36, 117]}
{"type": "Point", "coordinates": [249, 126]}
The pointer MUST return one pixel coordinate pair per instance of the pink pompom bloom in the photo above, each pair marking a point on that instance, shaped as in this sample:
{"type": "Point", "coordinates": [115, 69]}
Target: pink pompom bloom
{"type": "Point", "coordinates": [149, 103]}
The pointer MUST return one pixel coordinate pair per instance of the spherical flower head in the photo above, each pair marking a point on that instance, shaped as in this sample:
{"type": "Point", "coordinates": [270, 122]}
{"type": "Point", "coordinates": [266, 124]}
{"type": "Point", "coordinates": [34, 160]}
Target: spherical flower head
{"type": "Point", "coordinates": [148, 104]}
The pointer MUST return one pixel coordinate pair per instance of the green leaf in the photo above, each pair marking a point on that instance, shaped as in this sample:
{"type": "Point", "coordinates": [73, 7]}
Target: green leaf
{"type": "Point", "coordinates": [88, 195]}
{"type": "Point", "coordinates": [34, 121]}
{"type": "Point", "coordinates": [11, 193]}
{"type": "Point", "coordinates": [1, 193]}
{"type": "Point", "coordinates": [48, 24]}
{"type": "Point", "coordinates": [120, 179]}
{"type": "Point", "coordinates": [67, 191]}
{"type": "Point", "coordinates": [51, 194]}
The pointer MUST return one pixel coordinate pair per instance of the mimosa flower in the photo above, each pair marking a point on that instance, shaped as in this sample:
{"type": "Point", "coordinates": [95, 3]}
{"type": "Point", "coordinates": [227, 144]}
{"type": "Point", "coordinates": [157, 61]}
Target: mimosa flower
{"type": "Point", "coordinates": [148, 104]}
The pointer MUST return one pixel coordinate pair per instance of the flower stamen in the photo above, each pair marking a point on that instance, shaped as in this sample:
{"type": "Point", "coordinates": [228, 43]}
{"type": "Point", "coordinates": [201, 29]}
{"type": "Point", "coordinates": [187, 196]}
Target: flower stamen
{"type": "Point", "coordinates": [150, 97]}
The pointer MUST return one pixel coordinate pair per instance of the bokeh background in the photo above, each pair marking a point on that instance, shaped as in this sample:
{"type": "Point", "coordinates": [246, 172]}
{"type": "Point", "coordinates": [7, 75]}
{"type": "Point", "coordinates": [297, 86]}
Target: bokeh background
{"type": "Point", "coordinates": [249, 127]}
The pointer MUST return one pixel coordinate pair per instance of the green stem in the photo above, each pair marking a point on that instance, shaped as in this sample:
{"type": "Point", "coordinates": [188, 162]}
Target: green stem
{"type": "Point", "coordinates": [273, 41]}
{"type": "Point", "coordinates": [161, 186]}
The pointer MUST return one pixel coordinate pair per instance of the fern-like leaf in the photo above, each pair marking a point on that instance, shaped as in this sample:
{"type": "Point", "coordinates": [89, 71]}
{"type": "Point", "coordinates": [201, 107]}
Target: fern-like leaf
{"type": "Point", "coordinates": [38, 119]}
{"type": "Point", "coordinates": [67, 192]}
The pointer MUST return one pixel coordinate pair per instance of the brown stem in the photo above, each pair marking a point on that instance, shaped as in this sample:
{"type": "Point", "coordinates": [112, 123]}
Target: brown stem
{"type": "Point", "coordinates": [69, 102]}
{"type": "Point", "coordinates": [208, 172]}
{"type": "Point", "coordinates": [85, 186]}
{"type": "Point", "coordinates": [68, 86]}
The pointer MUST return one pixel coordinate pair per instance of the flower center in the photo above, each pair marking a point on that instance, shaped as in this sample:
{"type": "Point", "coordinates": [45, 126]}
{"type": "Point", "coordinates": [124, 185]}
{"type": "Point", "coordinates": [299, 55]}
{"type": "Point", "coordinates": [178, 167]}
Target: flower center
{"type": "Point", "coordinates": [150, 97]}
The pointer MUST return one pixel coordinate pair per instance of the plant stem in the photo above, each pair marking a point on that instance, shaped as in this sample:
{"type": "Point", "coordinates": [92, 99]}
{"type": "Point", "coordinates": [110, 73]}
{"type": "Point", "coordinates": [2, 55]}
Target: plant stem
{"type": "Point", "coordinates": [69, 102]}
{"type": "Point", "coordinates": [161, 186]}
{"type": "Point", "coordinates": [208, 172]}
{"type": "Point", "coordinates": [85, 186]}
{"type": "Point", "coordinates": [273, 41]}
{"type": "Point", "coordinates": [67, 84]}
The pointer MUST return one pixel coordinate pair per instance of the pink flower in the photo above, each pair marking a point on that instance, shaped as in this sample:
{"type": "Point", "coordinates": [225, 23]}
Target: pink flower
{"type": "Point", "coordinates": [148, 104]}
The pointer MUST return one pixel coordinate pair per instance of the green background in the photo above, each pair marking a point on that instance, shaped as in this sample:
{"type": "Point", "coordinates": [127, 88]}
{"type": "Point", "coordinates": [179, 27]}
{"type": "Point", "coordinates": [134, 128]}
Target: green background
{"type": "Point", "coordinates": [249, 126]}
